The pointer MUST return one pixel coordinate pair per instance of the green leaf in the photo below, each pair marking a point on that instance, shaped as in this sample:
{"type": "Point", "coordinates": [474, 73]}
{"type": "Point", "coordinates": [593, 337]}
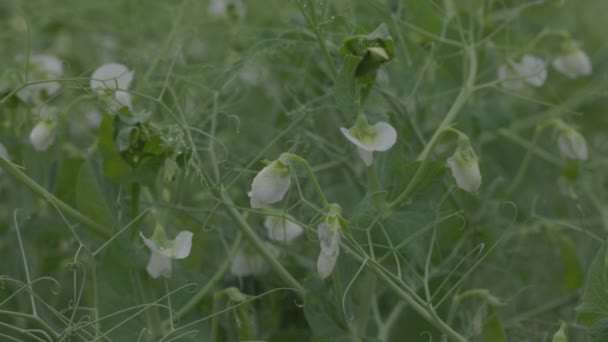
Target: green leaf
{"type": "Point", "coordinates": [65, 183]}
{"type": "Point", "coordinates": [573, 275]}
{"type": "Point", "coordinates": [599, 330]}
{"type": "Point", "coordinates": [594, 306]}
{"type": "Point", "coordinates": [375, 49]}
{"type": "Point", "coordinates": [320, 311]}
{"type": "Point", "coordinates": [114, 166]}
{"type": "Point", "coordinates": [345, 89]}
{"type": "Point", "coordinates": [492, 328]}
{"type": "Point", "coordinates": [90, 199]}
{"type": "Point", "coordinates": [431, 173]}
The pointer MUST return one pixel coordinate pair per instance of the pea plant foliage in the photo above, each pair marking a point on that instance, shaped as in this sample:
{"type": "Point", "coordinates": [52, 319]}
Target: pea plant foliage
{"type": "Point", "coordinates": [303, 170]}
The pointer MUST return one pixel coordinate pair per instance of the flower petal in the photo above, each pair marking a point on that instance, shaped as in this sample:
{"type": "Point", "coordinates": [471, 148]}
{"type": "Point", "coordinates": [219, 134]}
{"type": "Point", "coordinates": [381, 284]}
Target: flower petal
{"type": "Point", "coordinates": [43, 135]}
{"type": "Point", "coordinates": [48, 64]}
{"type": "Point", "coordinates": [270, 185]}
{"type": "Point", "coordinates": [326, 264]}
{"type": "Point", "coordinates": [282, 229]}
{"type": "Point", "coordinates": [466, 173]}
{"type": "Point", "coordinates": [509, 79]}
{"type": "Point", "coordinates": [111, 76]}
{"type": "Point", "coordinates": [150, 243]}
{"type": "Point", "coordinates": [533, 69]}
{"type": "Point", "coordinates": [354, 140]}
{"type": "Point", "coordinates": [159, 265]}
{"type": "Point", "coordinates": [573, 145]}
{"type": "Point", "coordinates": [386, 136]}
{"type": "Point", "coordinates": [573, 64]}
{"type": "Point", "coordinates": [181, 245]}
{"type": "Point", "coordinates": [366, 156]}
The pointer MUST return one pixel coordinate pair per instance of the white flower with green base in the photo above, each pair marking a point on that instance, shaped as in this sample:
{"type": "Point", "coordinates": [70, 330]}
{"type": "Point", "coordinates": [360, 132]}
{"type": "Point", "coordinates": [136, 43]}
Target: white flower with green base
{"type": "Point", "coordinates": [43, 135]}
{"type": "Point", "coordinates": [163, 250]}
{"type": "Point", "coordinates": [531, 70]}
{"type": "Point", "coordinates": [465, 165]}
{"type": "Point", "coordinates": [572, 144]}
{"type": "Point", "coordinates": [271, 184]}
{"type": "Point", "coordinates": [282, 229]}
{"type": "Point", "coordinates": [378, 137]}
{"type": "Point", "coordinates": [115, 79]}
{"type": "Point", "coordinates": [561, 334]}
{"type": "Point", "coordinates": [329, 239]}
{"type": "Point", "coordinates": [573, 62]}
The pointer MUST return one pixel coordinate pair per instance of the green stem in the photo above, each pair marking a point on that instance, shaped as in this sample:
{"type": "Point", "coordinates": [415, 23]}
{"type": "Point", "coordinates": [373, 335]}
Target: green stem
{"type": "Point", "coordinates": [135, 191]}
{"type": "Point", "coordinates": [428, 313]}
{"type": "Point", "coordinates": [14, 171]}
{"type": "Point", "coordinates": [311, 174]}
{"type": "Point", "coordinates": [212, 156]}
{"type": "Point", "coordinates": [463, 96]}
{"type": "Point", "coordinates": [219, 274]}
{"type": "Point", "coordinates": [315, 28]}
{"type": "Point", "coordinates": [461, 99]}
{"type": "Point", "coordinates": [521, 172]}
{"type": "Point", "coordinates": [258, 244]}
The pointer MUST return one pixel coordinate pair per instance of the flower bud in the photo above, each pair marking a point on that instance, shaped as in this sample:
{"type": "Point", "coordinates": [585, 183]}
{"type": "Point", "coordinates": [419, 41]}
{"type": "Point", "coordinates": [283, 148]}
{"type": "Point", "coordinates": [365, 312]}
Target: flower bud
{"type": "Point", "coordinates": [43, 135]}
{"type": "Point", "coordinates": [270, 185]}
{"type": "Point", "coordinates": [560, 335]}
{"type": "Point", "coordinates": [465, 166]}
{"type": "Point", "coordinates": [4, 154]}
{"type": "Point", "coordinates": [573, 62]}
{"type": "Point", "coordinates": [572, 144]}
{"type": "Point", "coordinates": [329, 239]}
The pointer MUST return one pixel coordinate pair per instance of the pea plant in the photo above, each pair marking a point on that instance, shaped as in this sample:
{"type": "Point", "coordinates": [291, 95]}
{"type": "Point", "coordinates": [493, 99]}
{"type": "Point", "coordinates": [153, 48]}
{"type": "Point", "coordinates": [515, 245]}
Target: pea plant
{"type": "Point", "coordinates": [303, 170]}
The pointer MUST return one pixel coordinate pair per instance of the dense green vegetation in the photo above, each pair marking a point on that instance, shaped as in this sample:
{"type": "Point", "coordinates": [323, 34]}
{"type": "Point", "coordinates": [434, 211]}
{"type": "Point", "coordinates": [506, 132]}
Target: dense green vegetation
{"type": "Point", "coordinates": [325, 170]}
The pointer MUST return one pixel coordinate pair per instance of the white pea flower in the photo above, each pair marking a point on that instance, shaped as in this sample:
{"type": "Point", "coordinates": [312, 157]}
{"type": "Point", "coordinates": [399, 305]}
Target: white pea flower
{"type": "Point", "coordinates": [530, 69]}
{"type": "Point", "coordinates": [465, 166]}
{"type": "Point", "coordinates": [378, 137]}
{"type": "Point", "coordinates": [43, 135]}
{"type": "Point", "coordinates": [163, 250]}
{"type": "Point", "coordinates": [573, 62]}
{"type": "Point", "coordinates": [271, 184]}
{"type": "Point", "coordinates": [116, 79]}
{"type": "Point", "coordinates": [248, 262]}
{"type": "Point", "coordinates": [282, 229]}
{"type": "Point", "coordinates": [222, 8]}
{"type": "Point", "coordinates": [329, 239]}
{"type": "Point", "coordinates": [42, 68]}
{"type": "Point", "coordinates": [572, 144]}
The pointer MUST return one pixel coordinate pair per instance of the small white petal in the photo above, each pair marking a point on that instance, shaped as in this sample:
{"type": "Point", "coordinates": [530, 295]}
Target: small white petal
{"type": "Point", "coordinates": [119, 100]}
{"type": "Point", "coordinates": [43, 135]}
{"type": "Point", "coordinates": [111, 76]}
{"type": "Point", "coordinates": [573, 145]}
{"type": "Point", "coordinates": [150, 243]}
{"type": "Point", "coordinates": [182, 245]}
{"type": "Point", "coordinates": [386, 136]}
{"type": "Point", "coordinates": [270, 185]}
{"type": "Point", "coordinates": [354, 140]}
{"type": "Point", "coordinates": [326, 264]}
{"type": "Point", "coordinates": [159, 265]}
{"type": "Point", "coordinates": [574, 64]}
{"type": "Point", "coordinates": [509, 79]}
{"type": "Point", "coordinates": [366, 156]}
{"type": "Point", "coordinates": [533, 69]}
{"type": "Point", "coordinates": [49, 64]}
{"type": "Point", "coordinates": [466, 173]}
{"type": "Point", "coordinates": [282, 229]}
